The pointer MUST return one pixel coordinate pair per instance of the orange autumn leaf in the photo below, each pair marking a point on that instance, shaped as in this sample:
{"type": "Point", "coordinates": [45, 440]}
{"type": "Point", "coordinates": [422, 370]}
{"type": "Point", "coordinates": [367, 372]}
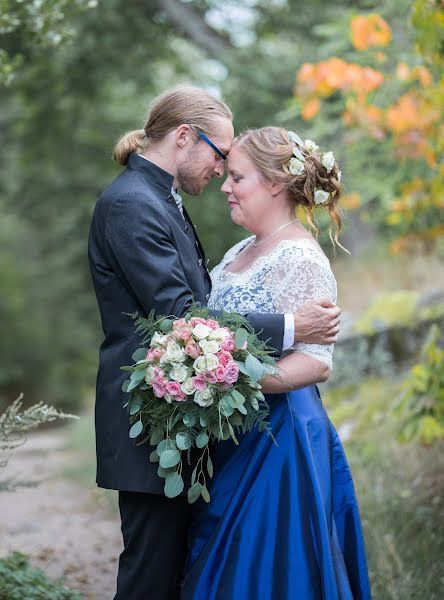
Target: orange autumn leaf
{"type": "Point", "coordinates": [310, 109]}
{"type": "Point", "coordinates": [351, 201]}
{"type": "Point", "coordinates": [368, 31]}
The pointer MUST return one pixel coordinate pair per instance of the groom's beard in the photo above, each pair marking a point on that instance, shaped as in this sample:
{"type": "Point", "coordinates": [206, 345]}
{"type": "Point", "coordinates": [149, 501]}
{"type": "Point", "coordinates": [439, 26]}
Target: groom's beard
{"type": "Point", "coordinates": [191, 178]}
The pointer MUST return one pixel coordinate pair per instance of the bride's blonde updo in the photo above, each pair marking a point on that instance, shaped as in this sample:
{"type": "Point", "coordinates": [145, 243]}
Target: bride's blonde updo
{"type": "Point", "coordinates": [309, 182]}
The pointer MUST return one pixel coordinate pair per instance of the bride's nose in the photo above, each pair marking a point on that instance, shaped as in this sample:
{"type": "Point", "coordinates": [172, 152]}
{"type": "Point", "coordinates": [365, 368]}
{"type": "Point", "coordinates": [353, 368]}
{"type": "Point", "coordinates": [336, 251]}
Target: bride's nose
{"type": "Point", "coordinates": [226, 187]}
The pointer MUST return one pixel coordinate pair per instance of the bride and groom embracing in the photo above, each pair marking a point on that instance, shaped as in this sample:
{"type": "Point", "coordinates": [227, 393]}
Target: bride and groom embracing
{"type": "Point", "coordinates": [283, 521]}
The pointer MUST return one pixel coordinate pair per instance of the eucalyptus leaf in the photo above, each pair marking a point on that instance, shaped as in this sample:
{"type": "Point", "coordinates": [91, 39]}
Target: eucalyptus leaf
{"type": "Point", "coordinates": [242, 367]}
{"type": "Point", "coordinates": [169, 458]}
{"type": "Point", "coordinates": [136, 429]}
{"type": "Point", "coordinates": [299, 154]}
{"type": "Point", "coordinates": [156, 437]}
{"type": "Point", "coordinates": [237, 397]}
{"type": "Point", "coordinates": [226, 411]}
{"type": "Point", "coordinates": [240, 337]}
{"type": "Point", "coordinates": [232, 434]}
{"type": "Point", "coordinates": [139, 354]}
{"type": "Point", "coordinates": [242, 409]}
{"type": "Point", "coordinates": [254, 368]}
{"type": "Point", "coordinates": [161, 472]}
{"type": "Point", "coordinates": [135, 405]}
{"type": "Point", "coordinates": [194, 492]}
{"type": "Point", "coordinates": [203, 421]}
{"type": "Point", "coordinates": [165, 325]}
{"type": "Point", "coordinates": [154, 457]}
{"type": "Point", "coordinates": [164, 445]}
{"type": "Point", "coordinates": [194, 475]}
{"type": "Point", "coordinates": [189, 420]}
{"type": "Point", "coordinates": [205, 494]}
{"type": "Point", "coordinates": [173, 485]}
{"type": "Point", "coordinates": [134, 383]}
{"type": "Point", "coordinates": [183, 440]}
{"type": "Point", "coordinates": [209, 466]}
{"type": "Point", "coordinates": [202, 439]}
{"type": "Point", "coordinates": [125, 385]}
{"type": "Point", "coordinates": [138, 375]}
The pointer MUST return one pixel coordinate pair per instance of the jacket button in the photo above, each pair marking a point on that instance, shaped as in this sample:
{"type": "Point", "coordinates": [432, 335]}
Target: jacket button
{"type": "Point", "coordinates": [186, 228]}
{"type": "Point", "coordinates": [170, 198]}
{"type": "Point", "coordinates": [199, 262]}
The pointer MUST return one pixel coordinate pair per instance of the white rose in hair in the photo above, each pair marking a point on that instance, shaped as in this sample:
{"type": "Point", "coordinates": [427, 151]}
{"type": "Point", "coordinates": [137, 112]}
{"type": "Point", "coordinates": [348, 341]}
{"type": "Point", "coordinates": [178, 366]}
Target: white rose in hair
{"type": "Point", "coordinates": [321, 197]}
{"type": "Point", "coordinates": [295, 166]}
{"type": "Point", "coordinates": [311, 146]}
{"type": "Point", "coordinates": [339, 176]}
{"type": "Point", "coordinates": [328, 160]}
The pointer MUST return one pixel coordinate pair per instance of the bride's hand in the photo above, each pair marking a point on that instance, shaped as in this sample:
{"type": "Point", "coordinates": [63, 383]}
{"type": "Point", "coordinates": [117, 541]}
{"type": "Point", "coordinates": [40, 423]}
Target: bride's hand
{"type": "Point", "coordinates": [317, 322]}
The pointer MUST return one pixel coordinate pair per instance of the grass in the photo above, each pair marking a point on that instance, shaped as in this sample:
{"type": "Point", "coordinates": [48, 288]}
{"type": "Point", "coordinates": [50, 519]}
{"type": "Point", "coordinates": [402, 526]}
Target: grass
{"type": "Point", "coordinates": [401, 493]}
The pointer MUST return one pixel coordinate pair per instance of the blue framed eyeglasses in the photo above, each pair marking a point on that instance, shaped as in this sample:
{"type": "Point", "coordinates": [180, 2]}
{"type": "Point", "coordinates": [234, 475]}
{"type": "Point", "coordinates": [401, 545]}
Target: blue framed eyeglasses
{"type": "Point", "coordinates": [210, 143]}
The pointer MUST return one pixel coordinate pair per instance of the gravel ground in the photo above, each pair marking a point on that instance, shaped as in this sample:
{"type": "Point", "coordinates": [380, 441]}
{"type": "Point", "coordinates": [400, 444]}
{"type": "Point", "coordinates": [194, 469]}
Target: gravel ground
{"type": "Point", "coordinates": [64, 528]}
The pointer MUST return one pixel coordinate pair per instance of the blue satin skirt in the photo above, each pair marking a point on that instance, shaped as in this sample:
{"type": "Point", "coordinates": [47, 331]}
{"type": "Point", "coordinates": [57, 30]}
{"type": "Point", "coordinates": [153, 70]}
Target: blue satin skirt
{"type": "Point", "coordinates": [283, 521]}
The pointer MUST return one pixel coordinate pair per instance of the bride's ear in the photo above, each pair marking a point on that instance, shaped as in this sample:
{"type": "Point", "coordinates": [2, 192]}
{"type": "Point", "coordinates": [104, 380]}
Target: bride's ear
{"type": "Point", "coordinates": [277, 187]}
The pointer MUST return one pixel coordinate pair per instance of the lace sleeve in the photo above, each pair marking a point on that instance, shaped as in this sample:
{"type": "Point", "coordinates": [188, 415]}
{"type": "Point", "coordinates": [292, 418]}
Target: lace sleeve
{"type": "Point", "coordinates": [299, 275]}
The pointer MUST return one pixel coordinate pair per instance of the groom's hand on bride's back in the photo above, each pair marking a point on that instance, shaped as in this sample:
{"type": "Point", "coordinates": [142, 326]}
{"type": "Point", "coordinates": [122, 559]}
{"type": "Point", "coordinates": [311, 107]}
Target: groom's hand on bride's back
{"type": "Point", "coordinates": [317, 322]}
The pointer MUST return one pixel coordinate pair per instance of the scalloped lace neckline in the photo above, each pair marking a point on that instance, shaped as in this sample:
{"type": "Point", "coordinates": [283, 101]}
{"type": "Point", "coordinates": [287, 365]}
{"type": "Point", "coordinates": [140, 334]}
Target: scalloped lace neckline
{"type": "Point", "coordinates": [260, 259]}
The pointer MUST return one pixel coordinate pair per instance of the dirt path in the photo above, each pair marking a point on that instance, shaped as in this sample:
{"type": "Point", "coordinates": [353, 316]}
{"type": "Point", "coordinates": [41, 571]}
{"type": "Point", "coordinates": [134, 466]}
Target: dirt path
{"type": "Point", "coordinates": [63, 527]}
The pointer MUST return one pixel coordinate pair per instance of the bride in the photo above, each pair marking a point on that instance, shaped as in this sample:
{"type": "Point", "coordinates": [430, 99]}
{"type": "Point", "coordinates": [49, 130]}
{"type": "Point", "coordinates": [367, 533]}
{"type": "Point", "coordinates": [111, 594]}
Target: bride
{"type": "Point", "coordinates": [283, 522]}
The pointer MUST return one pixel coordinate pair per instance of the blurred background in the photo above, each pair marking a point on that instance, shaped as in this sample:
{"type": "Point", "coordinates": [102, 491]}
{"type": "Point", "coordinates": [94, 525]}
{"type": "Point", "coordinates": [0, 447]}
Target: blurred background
{"type": "Point", "coordinates": [364, 79]}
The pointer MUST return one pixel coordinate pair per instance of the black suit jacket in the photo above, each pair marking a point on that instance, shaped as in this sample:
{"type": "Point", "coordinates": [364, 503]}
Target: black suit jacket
{"type": "Point", "coordinates": [142, 255]}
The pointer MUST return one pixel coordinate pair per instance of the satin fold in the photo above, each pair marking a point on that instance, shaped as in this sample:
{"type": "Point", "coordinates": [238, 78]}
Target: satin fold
{"type": "Point", "coordinates": [283, 522]}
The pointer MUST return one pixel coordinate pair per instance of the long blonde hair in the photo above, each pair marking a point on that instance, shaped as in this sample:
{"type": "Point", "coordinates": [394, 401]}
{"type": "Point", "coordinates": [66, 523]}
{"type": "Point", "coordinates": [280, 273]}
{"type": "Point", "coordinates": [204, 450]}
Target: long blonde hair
{"type": "Point", "coordinates": [183, 104]}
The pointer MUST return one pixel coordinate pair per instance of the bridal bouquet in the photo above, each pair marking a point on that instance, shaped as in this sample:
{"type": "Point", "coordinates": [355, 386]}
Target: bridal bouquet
{"type": "Point", "coordinates": [195, 382]}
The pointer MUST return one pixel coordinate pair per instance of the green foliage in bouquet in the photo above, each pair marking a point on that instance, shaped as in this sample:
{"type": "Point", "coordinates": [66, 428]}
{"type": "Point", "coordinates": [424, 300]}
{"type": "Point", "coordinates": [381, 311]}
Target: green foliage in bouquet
{"type": "Point", "coordinates": [219, 412]}
{"type": "Point", "coordinates": [422, 403]}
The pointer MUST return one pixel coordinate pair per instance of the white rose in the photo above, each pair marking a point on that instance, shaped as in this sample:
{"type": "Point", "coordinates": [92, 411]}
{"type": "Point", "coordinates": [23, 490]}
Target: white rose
{"type": "Point", "coordinates": [321, 197]}
{"type": "Point", "coordinates": [201, 331]}
{"type": "Point", "coordinates": [328, 160]}
{"type": "Point", "coordinates": [295, 166]}
{"type": "Point", "coordinates": [187, 387]}
{"type": "Point", "coordinates": [179, 373]}
{"type": "Point", "coordinates": [158, 340]}
{"type": "Point", "coordinates": [207, 362]}
{"type": "Point", "coordinates": [149, 374]}
{"type": "Point", "coordinates": [209, 346]}
{"type": "Point", "coordinates": [173, 353]}
{"type": "Point", "coordinates": [219, 334]}
{"type": "Point", "coordinates": [311, 146]}
{"type": "Point", "coordinates": [204, 398]}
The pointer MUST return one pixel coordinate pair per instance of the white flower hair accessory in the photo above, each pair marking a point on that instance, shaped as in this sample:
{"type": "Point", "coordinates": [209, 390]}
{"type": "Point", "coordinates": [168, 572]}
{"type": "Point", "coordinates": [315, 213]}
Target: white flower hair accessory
{"type": "Point", "coordinates": [321, 197]}
{"type": "Point", "coordinates": [311, 146]}
{"type": "Point", "coordinates": [296, 166]}
{"type": "Point", "coordinates": [328, 161]}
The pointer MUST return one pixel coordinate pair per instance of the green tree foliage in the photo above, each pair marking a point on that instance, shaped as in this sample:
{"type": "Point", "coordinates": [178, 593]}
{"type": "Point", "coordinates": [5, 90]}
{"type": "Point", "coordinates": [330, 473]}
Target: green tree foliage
{"type": "Point", "coordinates": [421, 406]}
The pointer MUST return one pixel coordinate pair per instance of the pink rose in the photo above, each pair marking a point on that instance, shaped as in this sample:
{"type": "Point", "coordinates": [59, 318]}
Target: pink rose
{"type": "Point", "coordinates": [173, 388]}
{"type": "Point", "coordinates": [211, 377]}
{"type": "Point", "coordinates": [224, 357]}
{"type": "Point", "coordinates": [192, 350]}
{"type": "Point", "coordinates": [184, 333]}
{"type": "Point", "coordinates": [220, 374]}
{"type": "Point", "coordinates": [150, 356]}
{"type": "Point", "coordinates": [178, 323]}
{"type": "Point", "coordinates": [158, 389]}
{"type": "Point", "coordinates": [231, 373]}
{"type": "Point", "coordinates": [196, 320]}
{"type": "Point", "coordinates": [228, 345]}
{"type": "Point", "coordinates": [199, 382]}
{"type": "Point", "coordinates": [212, 324]}
{"type": "Point", "coordinates": [158, 374]}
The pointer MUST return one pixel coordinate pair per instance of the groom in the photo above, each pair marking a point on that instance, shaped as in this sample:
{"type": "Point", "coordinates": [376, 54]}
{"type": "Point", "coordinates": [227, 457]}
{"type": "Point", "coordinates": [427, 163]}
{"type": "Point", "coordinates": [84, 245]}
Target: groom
{"type": "Point", "coordinates": [144, 254]}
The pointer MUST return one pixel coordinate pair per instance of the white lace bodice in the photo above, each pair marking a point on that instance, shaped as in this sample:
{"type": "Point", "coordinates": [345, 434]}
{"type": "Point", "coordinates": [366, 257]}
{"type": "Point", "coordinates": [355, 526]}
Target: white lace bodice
{"type": "Point", "coordinates": [280, 282]}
